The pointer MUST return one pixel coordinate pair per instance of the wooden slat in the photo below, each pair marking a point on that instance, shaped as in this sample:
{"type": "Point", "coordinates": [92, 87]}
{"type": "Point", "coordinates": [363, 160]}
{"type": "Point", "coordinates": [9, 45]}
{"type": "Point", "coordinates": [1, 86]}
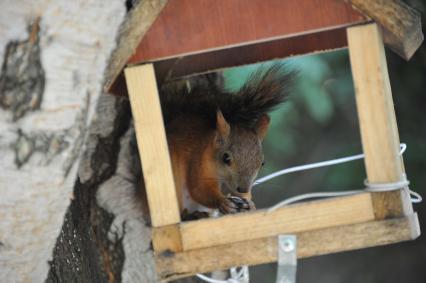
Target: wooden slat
{"type": "Point", "coordinates": [152, 145]}
{"type": "Point", "coordinates": [215, 60]}
{"type": "Point", "coordinates": [377, 120]}
{"type": "Point", "coordinates": [311, 243]}
{"type": "Point", "coordinates": [290, 219]}
{"type": "Point", "coordinates": [251, 53]}
{"type": "Point", "coordinates": [401, 24]}
{"type": "Point", "coordinates": [136, 24]}
{"type": "Point", "coordinates": [192, 36]}
{"type": "Point", "coordinates": [167, 238]}
{"type": "Point", "coordinates": [200, 36]}
{"type": "Point", "coordinates": [193, 26]}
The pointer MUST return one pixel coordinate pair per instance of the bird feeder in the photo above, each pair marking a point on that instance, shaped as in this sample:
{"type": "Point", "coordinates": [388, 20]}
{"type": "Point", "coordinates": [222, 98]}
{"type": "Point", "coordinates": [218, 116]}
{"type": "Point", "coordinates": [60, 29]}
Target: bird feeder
{"type": "Point", "coordinates": [192, 37]}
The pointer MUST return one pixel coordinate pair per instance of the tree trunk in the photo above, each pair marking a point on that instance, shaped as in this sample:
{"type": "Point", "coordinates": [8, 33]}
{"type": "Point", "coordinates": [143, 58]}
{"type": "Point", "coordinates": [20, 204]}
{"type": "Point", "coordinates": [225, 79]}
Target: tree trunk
{"type": "Point", "coordinates": [105, 237]}
{"type": "Point", "coordinates": [53, 56]}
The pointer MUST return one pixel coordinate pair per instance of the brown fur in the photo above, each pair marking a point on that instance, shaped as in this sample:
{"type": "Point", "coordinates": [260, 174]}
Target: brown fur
{"type": "Point", "coordinates": [196, 153]}
{"type": "Point", "coordinates": [215, 137]}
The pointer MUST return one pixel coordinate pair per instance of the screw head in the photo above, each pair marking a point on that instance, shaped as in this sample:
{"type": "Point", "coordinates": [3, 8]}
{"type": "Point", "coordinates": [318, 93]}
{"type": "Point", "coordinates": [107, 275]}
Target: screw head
{"type": "Point", "coordinates": [287, 245]}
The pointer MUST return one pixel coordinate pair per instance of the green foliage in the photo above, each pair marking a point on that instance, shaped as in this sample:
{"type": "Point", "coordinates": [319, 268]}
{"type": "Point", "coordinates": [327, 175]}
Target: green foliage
{"type": "Point", "coordinates": [319, 122]}
{"type": "Point", "coordinates": [311, 90]}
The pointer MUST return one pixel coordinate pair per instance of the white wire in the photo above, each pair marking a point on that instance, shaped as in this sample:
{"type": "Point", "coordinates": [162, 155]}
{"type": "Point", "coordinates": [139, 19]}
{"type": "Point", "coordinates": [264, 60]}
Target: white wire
{"type": "Point", "coordinates": [371, 187]}
{"type": "Point", "coordinates": [237, 277]}
{"type": "Point", "coordinates": [384, 187]}
{"type": "Point", "coordinates": [240, 275]}
{"type": "Point", "coordinates": [210, 280]}
{"type": "Point", "coordinates": [415, 197]}
{"type": "Point", "coordinates": [307, 167]}
{"type": "Point", "coordinates": [317, 165]}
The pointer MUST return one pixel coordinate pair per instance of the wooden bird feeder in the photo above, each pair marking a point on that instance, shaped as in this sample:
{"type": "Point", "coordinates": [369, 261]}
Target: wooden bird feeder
{"type": "Point", "coordinates": [192, 37]}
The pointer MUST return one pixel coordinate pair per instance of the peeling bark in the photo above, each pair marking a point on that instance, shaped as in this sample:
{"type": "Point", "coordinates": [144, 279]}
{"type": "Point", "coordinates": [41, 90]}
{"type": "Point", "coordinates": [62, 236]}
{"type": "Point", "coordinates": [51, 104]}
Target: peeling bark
{"type": "Point", "coordinates": [53, 55]}
{"type": "Point", "coordinates": [107, 221]}
{"type": "Point", "coordinates": [69, 210]}
{"type": "Point", "coordinates": [86, 250]}
{"type": "Point", "coordinates": [51, 143]}
{"type": "Point", "coordinates": [106, 236]}
{"type": "Point", "coordinates": [22, 76]}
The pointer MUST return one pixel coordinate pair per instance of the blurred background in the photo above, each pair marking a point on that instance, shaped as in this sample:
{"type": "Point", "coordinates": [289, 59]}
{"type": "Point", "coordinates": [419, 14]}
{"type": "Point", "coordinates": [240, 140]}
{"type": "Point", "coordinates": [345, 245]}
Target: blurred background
{"type": "Point", "coordinates": [319, 122]}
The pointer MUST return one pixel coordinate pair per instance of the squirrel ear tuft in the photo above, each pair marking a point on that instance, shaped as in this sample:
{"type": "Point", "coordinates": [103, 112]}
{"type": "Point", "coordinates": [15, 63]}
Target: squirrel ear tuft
{"type": "Point", "coordinates": [222, 126]}
{"type": "Point", "coordinates": [261, 126]}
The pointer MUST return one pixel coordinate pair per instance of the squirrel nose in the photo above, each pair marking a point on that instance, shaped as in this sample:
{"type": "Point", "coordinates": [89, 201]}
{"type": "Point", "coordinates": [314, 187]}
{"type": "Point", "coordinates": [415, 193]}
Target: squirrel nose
{"type": "Point", "coordinates": [242, 190]}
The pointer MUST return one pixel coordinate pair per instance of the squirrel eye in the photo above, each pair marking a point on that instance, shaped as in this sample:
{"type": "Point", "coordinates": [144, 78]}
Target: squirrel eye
{"type": "Point", "coordinates": [226, 158]}
{"type": "Point", "coordinates": [263, 163]}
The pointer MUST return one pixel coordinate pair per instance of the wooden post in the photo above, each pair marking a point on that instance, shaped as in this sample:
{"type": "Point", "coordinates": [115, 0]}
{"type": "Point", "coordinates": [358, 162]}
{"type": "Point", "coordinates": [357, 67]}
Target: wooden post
{"type": "Point", "coordinates": [312, 215]}
{"type": "Point", "coordinates": [152, 144]}
{"type": "Point", "coordinates": [171, 266]}
{"type": "Point", "coordinates": [377, 120]}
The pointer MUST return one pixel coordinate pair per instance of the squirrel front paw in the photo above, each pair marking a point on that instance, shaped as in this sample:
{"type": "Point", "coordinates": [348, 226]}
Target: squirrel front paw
{"type": "Point", "coordinates": [233, 204]}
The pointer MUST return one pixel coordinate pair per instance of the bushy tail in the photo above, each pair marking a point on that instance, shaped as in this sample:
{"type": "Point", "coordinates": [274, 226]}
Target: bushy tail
{"type": "Point", "coordinates": [264, 90]}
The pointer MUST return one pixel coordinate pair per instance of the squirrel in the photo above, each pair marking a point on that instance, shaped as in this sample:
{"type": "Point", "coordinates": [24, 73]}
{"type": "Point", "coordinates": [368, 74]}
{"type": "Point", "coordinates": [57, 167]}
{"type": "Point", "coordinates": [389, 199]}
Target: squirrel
{"type": "Point", "coordinates": [215, 139]}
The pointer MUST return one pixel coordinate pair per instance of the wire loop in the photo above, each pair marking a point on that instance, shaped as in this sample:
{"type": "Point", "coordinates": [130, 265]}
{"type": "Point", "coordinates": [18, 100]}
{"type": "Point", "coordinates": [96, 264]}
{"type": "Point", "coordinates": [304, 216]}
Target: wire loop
{"type": "Point", "coordinates": [370, 187]}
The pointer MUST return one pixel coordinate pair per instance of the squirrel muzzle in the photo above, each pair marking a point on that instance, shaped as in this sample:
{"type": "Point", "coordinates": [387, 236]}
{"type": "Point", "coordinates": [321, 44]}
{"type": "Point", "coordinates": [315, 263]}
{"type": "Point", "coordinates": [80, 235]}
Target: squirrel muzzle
{"type": "Point", "coordinates": [243, 190]}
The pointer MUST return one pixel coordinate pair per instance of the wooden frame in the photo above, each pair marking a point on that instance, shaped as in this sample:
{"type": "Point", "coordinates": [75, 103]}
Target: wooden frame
{"type": "Point", "coordinates": [230, 43]}
{"type": "Point", "coordinates": [191, 36]}
{"type": "Point", "coordinates": [338, 224]}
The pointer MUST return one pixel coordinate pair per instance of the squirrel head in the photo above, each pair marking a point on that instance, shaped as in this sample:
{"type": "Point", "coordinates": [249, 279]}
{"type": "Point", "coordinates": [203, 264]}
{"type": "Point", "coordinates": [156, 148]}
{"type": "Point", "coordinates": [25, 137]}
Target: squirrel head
{"type": "Point", "coordinates": [238, 153]}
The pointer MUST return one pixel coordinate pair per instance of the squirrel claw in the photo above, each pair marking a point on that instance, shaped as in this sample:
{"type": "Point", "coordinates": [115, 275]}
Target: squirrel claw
{"type": "Point", "coordinates": [227, 206]}
{"type": "Point", "coordinates": [242, 203]}
{"type": "Point", "coordinates": [250, 205]}
{"type": "Point", "coordinates": [233, 204]}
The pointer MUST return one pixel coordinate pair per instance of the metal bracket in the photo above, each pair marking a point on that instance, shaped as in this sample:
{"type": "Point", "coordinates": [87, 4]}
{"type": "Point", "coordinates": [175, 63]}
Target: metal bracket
{"type": "Point", "coordinates": [287, 259]}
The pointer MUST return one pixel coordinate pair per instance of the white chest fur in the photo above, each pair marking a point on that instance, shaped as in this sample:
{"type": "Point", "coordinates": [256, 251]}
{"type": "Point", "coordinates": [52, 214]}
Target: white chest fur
{"type": "Point", "coordinates": [191, 205]}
